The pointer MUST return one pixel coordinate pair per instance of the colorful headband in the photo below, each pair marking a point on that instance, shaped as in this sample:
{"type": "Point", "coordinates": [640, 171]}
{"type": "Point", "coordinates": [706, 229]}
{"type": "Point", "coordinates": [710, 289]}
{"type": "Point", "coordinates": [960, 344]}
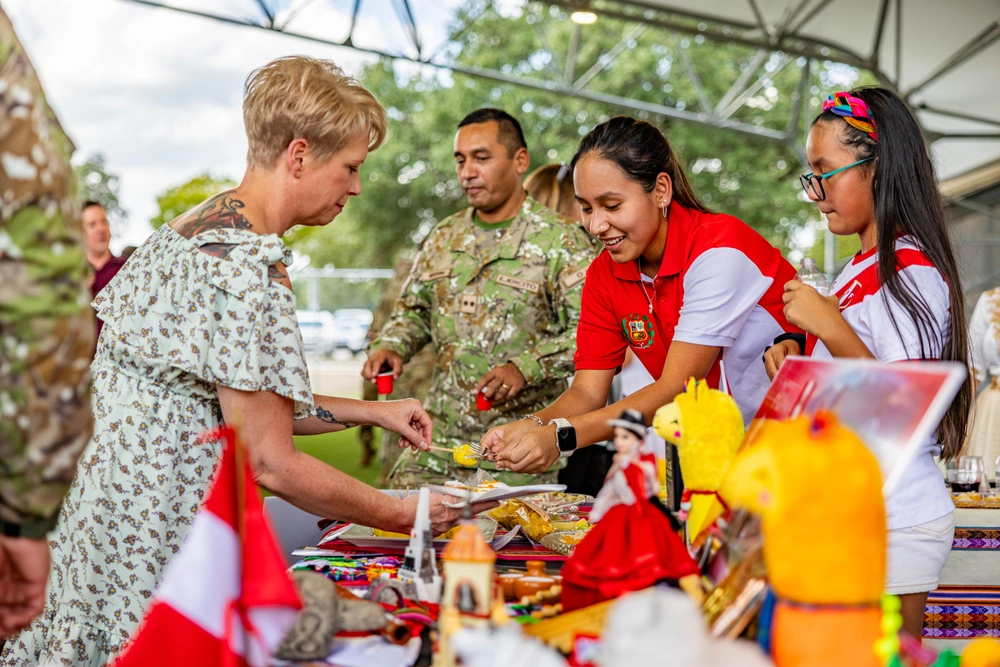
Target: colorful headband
{"type": "Point", "coordinates": [854, 110]}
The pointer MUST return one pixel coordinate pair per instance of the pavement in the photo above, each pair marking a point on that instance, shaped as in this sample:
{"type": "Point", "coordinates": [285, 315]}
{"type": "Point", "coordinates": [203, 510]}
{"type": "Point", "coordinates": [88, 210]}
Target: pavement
{"type": "Point", "coordinates": [337, 376]}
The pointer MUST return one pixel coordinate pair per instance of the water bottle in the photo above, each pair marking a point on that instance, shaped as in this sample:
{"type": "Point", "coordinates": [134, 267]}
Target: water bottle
{"type": "Point", "coordinates": [809, 274]}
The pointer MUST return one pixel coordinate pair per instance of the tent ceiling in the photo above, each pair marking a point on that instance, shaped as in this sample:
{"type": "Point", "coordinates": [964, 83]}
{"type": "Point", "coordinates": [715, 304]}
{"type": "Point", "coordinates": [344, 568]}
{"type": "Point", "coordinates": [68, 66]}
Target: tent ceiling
{"type": "Point", "coordinates": [943, 57]}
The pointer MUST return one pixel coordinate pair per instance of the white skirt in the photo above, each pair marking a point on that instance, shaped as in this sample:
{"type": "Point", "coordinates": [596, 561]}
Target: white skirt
{"type": "Point", "coordinates": [916, 555]}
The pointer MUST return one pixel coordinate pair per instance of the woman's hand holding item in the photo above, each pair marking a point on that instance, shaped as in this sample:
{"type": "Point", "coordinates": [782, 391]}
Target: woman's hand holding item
{"type": "Point", "coordinates": [810, 311]}
{"type": "Point", "coordinates": [406, 417]}
{"type": "Point", "coordinates": [442, 517]}
{"type": "Point", "coordinates": [505, 433]}
{"type": "Point", "coordinates": [533, 451]}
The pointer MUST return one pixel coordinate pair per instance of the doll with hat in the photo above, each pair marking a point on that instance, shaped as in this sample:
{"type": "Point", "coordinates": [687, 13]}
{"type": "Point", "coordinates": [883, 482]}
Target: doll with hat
{"type": "Point", "coordinates": [634, 543]}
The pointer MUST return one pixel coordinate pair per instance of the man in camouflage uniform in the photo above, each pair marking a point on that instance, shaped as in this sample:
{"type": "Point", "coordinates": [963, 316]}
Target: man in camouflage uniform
{"type": "Point", "coordinates": [46, 332]}
{"type": "Point", "coordinates": [496, 290]}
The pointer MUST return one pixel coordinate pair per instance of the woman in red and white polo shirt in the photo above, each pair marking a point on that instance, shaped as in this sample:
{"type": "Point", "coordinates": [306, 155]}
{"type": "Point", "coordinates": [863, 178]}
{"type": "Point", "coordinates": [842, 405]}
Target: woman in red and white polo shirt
{"type": "Point", "coordinates": [686, 289]}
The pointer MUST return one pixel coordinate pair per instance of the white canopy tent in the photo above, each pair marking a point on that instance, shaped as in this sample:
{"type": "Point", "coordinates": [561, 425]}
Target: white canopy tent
{"type": "Point", "coordinates": [942, 57]}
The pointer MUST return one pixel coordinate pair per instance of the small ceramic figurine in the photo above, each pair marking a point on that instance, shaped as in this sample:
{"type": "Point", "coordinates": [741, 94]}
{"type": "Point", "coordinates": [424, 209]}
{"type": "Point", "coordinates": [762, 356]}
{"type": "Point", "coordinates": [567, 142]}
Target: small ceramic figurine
{"type": "Point", "coordinates": [470, 598]}
{"type": "Point", "coordinates": [419, 570]}
{"type": "Point", "coordinates": [634, 543]}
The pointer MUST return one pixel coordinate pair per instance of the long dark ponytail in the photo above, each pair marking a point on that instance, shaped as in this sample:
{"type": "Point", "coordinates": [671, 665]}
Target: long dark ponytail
{"type": "Point", "coordinates": [907, 201]}
{"type": "Point", "coordinates": [642, 153]}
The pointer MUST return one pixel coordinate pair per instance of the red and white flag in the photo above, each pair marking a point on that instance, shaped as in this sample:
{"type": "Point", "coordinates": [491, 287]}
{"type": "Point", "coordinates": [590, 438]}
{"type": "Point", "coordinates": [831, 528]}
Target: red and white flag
{"type": "Point", "coordinates": [225, 599]}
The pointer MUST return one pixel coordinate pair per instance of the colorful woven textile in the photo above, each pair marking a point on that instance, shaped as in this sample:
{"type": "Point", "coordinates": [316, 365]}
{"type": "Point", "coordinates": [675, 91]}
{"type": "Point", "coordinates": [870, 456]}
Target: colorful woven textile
{"type": "Point", "coordinates": [853, 110]}
{"type": "Point", "coordinates": [976, 539]}
{"type": "Point", "coordinates": [962, 612]}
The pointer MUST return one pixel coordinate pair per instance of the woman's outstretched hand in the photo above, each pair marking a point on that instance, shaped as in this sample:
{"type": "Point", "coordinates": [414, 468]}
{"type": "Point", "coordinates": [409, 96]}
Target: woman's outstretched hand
{"type": "Point", "coordinates": [406, 417]}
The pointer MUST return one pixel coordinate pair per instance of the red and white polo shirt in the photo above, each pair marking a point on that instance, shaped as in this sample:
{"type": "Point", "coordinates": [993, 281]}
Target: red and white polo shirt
{"type": "Point", "coordinates": [719, 284]}
{"type": "Point", "coordinates": [921, 495]}
{"type": "Point", "coordinates": [866, 306]}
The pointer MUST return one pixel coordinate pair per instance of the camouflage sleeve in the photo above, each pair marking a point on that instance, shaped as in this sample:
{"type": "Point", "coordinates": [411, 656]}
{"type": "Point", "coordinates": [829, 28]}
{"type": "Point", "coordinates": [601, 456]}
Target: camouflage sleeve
{"type": "Point", "coordinates": [408, 328]}
{"type": "Point", "coordinates": [46, 325]}
{"type": "Point", "coordinates": [553, 356]}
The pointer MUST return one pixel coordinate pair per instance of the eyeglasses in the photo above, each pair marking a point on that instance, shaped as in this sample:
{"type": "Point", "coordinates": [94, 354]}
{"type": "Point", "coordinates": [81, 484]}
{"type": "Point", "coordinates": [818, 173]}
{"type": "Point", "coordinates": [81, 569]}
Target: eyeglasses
{"type": "Point", "coordinates": [813, 184]}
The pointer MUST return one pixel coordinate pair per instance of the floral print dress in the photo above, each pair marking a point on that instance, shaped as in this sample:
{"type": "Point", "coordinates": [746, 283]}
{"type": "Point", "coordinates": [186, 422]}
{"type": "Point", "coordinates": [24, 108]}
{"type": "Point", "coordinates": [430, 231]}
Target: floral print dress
{"type": "Point", "coordinates": [178, 322]}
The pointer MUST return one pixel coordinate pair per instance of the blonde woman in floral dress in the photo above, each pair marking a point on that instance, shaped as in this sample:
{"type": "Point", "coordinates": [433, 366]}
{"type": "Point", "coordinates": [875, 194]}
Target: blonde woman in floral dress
{"type": "Point", "coordinates": [200, 328]}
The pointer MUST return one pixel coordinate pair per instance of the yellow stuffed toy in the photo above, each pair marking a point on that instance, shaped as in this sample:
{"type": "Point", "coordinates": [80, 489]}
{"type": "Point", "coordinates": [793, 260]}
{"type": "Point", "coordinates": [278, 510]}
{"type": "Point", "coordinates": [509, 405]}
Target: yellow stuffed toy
{"type": "Point", "coordinates": [706, 427]}
{"type": "Point", "coordinates": [982, 652]}
{"type": "Point", "coordinates": [818, 490]}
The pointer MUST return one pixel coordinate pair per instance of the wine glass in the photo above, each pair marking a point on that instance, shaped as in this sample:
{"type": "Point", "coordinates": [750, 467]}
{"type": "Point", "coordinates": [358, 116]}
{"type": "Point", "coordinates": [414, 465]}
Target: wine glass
{"type": "Point", "coordinates": [976, 471]}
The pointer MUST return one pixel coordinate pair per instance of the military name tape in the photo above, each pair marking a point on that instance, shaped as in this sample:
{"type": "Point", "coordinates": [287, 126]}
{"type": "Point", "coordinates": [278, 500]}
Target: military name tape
{"type": "Point", "coordinates": [428, 276]}
{"type": "Point", "coordinates": [517, 283]}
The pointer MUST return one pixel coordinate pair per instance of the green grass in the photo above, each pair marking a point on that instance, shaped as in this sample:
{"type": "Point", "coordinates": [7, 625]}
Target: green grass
{"type": "Point", "coordinates": [342, 450]}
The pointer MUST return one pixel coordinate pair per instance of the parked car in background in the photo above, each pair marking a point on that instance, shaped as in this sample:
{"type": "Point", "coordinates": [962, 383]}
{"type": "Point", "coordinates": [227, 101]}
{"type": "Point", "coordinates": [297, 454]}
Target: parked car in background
{"type": "Point", "coordinates": [352, 328]}
{"type": "Point", "coordinates": [319, 331]}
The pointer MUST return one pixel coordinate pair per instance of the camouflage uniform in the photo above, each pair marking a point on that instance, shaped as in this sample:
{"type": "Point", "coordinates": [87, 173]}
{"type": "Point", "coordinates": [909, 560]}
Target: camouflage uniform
{"type": "Point", "coordinates": [46, 325]}
{"type": "Point", "coordinates": [483, 298]}
{"type": "Point", "coordinates": [414, 381]}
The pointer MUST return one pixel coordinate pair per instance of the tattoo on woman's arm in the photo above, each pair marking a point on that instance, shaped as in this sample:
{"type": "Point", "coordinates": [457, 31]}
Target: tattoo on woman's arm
{"type": "Point", "coordinates": [325, 415]}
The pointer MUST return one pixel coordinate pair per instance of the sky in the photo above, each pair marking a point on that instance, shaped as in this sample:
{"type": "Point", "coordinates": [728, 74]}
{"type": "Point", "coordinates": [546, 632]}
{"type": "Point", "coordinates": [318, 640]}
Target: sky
{"type": "Point", "coordinates": [159, 92]}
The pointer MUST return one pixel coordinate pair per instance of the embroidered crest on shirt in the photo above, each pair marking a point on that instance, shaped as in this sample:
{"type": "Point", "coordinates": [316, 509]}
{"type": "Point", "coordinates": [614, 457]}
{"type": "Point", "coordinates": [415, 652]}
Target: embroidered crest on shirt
{"type": "Point", "coordinates": [847, 299]}
{"type": "Point", "coordinates": [638, 331]}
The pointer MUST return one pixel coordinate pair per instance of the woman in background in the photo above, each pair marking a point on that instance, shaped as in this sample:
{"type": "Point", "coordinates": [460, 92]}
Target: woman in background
{"type": "Point", "coordinates": [552, 187]}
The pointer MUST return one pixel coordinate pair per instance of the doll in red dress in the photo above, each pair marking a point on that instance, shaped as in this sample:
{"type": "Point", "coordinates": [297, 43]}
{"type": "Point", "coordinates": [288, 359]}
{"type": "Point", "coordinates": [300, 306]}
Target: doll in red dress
{"type": "Point", "coordinates": [634, 543]}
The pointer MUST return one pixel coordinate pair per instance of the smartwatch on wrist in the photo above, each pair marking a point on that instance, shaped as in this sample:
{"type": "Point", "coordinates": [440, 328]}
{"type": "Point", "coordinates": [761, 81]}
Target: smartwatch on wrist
{"type": "Point", "coordinates": [565, 437]}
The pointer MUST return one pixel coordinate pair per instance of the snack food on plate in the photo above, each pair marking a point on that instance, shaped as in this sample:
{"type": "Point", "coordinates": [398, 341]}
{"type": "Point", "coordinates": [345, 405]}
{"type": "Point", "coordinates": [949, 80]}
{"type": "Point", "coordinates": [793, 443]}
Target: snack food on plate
{"type": "Point", "coordinates": [385, 533]}
{"type": "Point", "coordinates": [478, 487]}
{"type": "Point", "coordinates": [563, 541]}
{"type": "Point", "coordinates": [559, 501]}
{"type": "Point", "coordinates": [974, 499]}
{"type": "Point", "coordinates": [534, 521]}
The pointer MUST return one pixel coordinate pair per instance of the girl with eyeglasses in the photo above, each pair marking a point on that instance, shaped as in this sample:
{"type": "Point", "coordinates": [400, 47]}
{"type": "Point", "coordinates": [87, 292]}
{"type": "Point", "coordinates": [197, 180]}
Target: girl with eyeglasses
{"type": "Point", "coordinates": [898, 299]}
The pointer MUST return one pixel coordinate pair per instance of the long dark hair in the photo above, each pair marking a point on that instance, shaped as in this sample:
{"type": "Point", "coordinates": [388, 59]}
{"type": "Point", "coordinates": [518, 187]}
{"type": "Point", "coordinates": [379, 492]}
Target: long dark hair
{"type": "Point", "coordinates": [642, 153]}
{"type": "Point", "coordinates": [907, 201]}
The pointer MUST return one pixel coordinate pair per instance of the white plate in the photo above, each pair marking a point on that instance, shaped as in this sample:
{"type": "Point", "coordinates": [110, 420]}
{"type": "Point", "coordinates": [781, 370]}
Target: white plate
{"type": "Point", "coordinates": [499, 492]}
{"type": "Point", "coordinates": [363, 536]}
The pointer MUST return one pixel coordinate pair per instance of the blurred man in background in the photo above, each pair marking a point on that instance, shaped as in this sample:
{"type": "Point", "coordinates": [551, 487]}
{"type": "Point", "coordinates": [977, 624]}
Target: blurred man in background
{"type": "Point", "coordinates": [97, 233]}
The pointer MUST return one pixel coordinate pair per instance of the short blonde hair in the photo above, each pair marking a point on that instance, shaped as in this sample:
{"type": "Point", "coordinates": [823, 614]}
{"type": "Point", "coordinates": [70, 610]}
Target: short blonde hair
{"type": "Point", "coordinates": [308, 98]}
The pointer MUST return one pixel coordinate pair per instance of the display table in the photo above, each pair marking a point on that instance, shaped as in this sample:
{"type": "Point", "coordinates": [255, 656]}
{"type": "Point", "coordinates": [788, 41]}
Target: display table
{"type": "Point", "coordinates": [966, 605]}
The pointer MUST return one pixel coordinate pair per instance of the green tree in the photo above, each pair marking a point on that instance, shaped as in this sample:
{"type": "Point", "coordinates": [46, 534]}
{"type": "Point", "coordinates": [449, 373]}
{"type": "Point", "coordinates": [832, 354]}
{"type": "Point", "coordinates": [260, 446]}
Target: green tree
{"type": "Point", "coordinates": [182, 198]}
{"type": "Point", "coordinates": [95, 183]}
{"type": "Point", "coordinates": [410, 183]}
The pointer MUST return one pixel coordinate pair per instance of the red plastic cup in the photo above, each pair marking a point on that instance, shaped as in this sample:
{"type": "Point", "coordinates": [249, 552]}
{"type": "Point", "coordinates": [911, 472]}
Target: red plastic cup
{"type": "Point", "coordinates": [384, 383]}
{"type": "Point", "coordinates": [482, 402]}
